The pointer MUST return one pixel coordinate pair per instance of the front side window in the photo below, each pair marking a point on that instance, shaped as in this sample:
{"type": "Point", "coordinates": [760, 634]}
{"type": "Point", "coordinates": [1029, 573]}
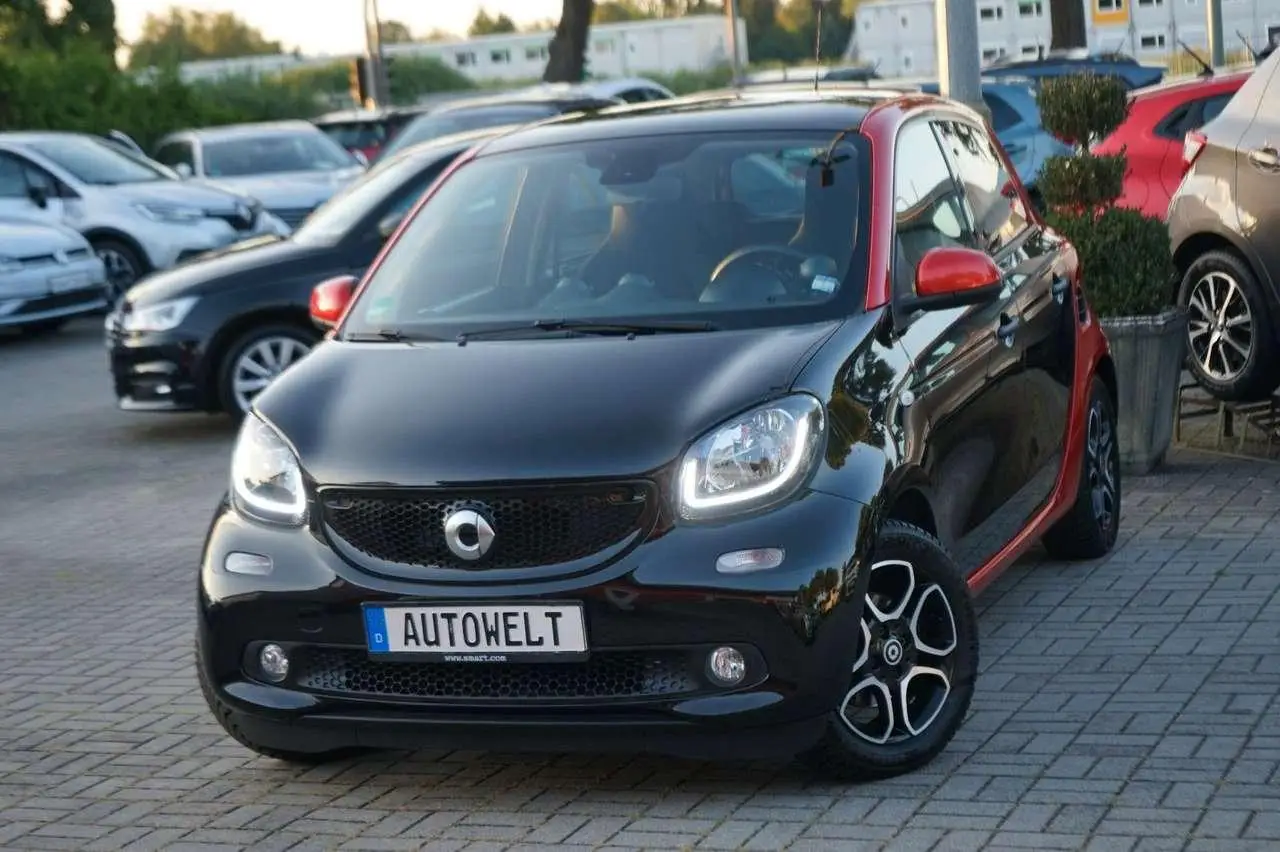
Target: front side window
{"type": "Point", "coordinates": [994, 208]}
{"type": "Point", "coordinates": [928, 208]}
{"type": "Point", "coordinates": [274, 152]}
{"type": "Point", "coordinates": [13, 183]}
{"type": "Point", "coordinates": [97, 162]}
{"type": "Point", "coordinates": [628, 230]}
{"type": "Point", "coordinates": [175, 154]}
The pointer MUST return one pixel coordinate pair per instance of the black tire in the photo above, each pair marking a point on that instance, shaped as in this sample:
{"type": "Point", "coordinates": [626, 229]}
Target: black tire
{"type": "Point", "coordinates": [1088, 531]}
{"type": "Point", "coordinates": [125, 267]}
{"type": "Point", "coordinates": [42, 328]}
{"type": "Point", "coordinates": [1259, 374]}
{"type": "Point", "coordinates": [845, 754]}
{"type": "Point", "coordinates": [226, 719]}
{"type": "Point", "coordinates": [226, 370]}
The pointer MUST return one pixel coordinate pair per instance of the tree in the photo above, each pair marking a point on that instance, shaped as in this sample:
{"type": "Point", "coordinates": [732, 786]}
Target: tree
{"type": "Point", "coordinates": [395, 32]}
{"type": "Point", "coordinates": [94, 20]}
{"type": "Point", "coordinates": [1066, 25]}
{"type": "Point", "coordinates": [568, 48]}
{"type": "Point", "coordinates": [24, 24]}
{"type": "Point", "coordinates": [186, 35]}
{"type": "Point", "coordinates": [614, 11]}
{"type": "Point", "coordinates": [484, 24]}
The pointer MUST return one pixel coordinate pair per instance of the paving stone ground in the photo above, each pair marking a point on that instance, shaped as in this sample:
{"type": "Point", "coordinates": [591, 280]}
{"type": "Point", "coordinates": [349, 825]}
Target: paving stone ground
{"type": "Point", "coordinates": [1128, 704]}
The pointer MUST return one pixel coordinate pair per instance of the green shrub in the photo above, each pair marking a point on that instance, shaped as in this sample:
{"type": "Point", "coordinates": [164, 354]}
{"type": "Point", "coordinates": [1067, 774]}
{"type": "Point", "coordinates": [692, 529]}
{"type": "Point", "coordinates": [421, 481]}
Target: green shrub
{"type": "Point", "coordinates": [1124, 254]}
{"type": "Point", "coordinates": [691, 82]}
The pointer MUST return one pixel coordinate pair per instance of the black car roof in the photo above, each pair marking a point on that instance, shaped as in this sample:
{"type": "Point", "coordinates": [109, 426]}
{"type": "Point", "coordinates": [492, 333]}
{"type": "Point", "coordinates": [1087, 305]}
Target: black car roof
{"type": "Point", "coordinates": [784, 108]}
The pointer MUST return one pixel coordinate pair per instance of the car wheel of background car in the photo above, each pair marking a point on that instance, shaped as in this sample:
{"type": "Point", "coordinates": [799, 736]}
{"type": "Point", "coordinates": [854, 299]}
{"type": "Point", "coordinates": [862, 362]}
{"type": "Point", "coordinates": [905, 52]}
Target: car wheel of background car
{"type": "Point", "coordinates": [123, 266]}
{"type": "Point", "coordinates": [255, 359]}
{"type": "Point", "coordinates": [915, 666]}
{"type": "Point", "coordinates": [1089, 530]}
{"type": "Point", "coordinates": [39, 329]}
{"type": "Point", "coordinates": [226, 718]}
{"type": "Point", "coordinates": [1231, 349]}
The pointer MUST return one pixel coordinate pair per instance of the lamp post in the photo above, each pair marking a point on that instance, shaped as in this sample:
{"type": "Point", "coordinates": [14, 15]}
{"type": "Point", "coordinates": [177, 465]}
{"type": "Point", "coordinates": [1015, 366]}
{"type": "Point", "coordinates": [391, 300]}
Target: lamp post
{"type": "Point", "coordinates": [377, 85]}
{"type": "Point", "coordinates": [735, 55]}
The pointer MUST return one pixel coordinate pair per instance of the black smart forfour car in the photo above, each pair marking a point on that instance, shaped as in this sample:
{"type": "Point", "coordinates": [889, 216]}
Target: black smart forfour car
{"type": "Point", "coordinates": [686, 428]}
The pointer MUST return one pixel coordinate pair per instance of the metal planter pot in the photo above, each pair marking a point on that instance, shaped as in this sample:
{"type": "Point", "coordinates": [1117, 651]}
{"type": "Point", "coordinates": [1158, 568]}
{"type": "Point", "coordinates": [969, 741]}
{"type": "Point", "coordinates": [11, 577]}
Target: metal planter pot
{"type": "Point", "coordinates": [1148, 352]}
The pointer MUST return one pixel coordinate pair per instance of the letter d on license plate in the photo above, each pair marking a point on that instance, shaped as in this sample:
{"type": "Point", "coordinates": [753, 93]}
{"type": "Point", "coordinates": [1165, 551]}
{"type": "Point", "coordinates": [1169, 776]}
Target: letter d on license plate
{"type": "Point", "coordinates": [478, 633]}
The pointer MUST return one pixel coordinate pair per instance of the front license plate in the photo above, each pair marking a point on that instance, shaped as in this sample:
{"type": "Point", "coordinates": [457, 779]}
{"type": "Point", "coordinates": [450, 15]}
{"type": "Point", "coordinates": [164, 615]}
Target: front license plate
{"type": "Point", "coordinates": [67, 283]}
{"type": "Point", "coordinates": [478, 633]}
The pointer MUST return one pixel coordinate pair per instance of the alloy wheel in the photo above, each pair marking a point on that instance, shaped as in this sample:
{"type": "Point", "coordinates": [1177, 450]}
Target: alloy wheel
{"type": "Point", "coordinates": [121, 272]}
{"type": "Point", "coordinates": [1219, 326]}
{"type": "Point", "coordinates": [903, 674]}
{"type": "Point", "coordinates": [1102, 466]}
{"type": "Point", "coordinates": [259, 364]}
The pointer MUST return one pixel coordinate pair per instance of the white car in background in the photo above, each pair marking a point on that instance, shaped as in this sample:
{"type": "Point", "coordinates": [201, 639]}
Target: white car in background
{"type": "Point", "coordinates": [292, 167]}
{"type": "Point", "coordinates": [137, 216]}
{"type": "Point", "coordinates": [48, 275]}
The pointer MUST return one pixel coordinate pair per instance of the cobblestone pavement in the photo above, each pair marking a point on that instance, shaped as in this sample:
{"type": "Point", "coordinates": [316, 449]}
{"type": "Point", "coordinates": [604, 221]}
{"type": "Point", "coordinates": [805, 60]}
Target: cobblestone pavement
{"type": "Point", "coordinates": [1125, 705]}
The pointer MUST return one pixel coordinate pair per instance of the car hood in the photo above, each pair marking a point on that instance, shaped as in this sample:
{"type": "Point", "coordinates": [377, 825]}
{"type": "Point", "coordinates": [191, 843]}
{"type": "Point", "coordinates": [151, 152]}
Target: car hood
{"type": "Point", "coordinates": [292, 189]}
{"type": "Point", "coordinates": [555, 408]}
{"type": "Point", "coordinates": [24, 238]}
{"type": "Point", "coordinates": [187, 193]}
{"type": "Point", "coordinates": [253, 259]}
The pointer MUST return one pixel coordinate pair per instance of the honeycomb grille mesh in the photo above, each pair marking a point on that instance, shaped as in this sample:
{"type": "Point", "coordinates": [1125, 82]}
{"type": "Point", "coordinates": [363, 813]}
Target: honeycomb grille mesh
{"type": "Point", "coordinates": [530, 531]}
{"type": "Point", "coordinates": [628, 674]}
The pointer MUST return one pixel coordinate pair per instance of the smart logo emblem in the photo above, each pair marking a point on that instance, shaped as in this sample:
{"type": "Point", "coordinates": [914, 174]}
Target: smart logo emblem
{"type": "Point", "coordinates": [468, 534]}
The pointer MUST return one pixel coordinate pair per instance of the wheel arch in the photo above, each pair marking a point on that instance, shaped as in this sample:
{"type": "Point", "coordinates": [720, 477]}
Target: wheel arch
{"type": "Point", "coordinates": [1106, 371]}
{"type": "Point", "coordinates": [106, 233]}
{"type": "Point", "coordinates": [910, 505]}
{"type": "Point", "coordinates": [232, 330]}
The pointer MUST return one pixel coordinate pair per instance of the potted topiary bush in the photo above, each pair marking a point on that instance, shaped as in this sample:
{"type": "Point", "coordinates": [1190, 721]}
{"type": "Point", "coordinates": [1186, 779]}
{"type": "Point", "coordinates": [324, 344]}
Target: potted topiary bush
{"type": "Point", "coordinates": [1125, 260]}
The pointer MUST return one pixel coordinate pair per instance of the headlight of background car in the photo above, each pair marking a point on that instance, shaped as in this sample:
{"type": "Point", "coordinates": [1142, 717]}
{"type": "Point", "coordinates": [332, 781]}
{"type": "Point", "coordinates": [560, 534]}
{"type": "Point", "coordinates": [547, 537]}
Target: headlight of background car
{"type": "Point", "coordinates": [170, 213]}
{"type": "Point", "coordinates": [755, 459]}
{"type": "Point", "coordinates": [10, 264]}
{"type": "Point", "coordinates": [266, 481]}
{"type": "Point", "coordinates": [162, 316]}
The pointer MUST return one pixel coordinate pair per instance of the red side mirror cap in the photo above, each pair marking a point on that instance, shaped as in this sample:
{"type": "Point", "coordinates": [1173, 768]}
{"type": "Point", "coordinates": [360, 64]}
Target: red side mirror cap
{"type": "Point", "coordinates": [949, 277]}
{"type": "Point", "coordinates": [329, 300]}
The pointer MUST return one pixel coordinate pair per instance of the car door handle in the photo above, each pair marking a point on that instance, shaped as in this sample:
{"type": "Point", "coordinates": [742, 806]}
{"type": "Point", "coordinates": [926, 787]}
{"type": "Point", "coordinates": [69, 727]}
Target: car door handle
{"type": "Point", "coordinates": [1060, 287]}
{"type": "Point", "coordinates": [1266, 159]}
{"type": "Point", "coordinates": [1007, 329]}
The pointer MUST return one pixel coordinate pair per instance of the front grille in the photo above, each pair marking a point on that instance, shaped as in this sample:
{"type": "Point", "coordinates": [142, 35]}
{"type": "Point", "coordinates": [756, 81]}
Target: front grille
{"type": "Point", "coordinates": [620, 674]}
{"type": "Point", "coordinates": [530, 529]}
{"type": "Point", "coordinates": [292, 216]}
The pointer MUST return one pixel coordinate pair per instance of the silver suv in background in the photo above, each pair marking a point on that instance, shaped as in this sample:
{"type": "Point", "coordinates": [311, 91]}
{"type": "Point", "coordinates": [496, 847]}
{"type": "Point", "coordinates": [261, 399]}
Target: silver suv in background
{"type": "Point", "coordinates": [137, 216]}
{"type": "Point", "coordinates": [291, 166]}
{"type": "Point", "coordinates": [48, 275]}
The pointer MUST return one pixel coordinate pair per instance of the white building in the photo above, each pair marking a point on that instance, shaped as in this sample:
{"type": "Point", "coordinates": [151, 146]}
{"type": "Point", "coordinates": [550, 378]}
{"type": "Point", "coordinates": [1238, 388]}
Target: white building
{"type": "Point", "coordinates": [901, 35]}
{"type": "Point", "coordinates": [630, 48]}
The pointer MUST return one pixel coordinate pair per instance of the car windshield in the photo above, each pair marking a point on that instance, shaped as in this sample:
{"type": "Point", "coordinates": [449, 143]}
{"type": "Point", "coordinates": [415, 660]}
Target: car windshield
{"type": "Point", "coordinates": [98, 162]}
{"type": "Point", "coordinates": [335, 218]}
{"type": "Point", "coordinates": [732, 230]}
{"type": "Point", "coordinates": [356, 134]}
{"type": "Point", "coordinates": [428, 127]}
{"type": "Point", "coordinates": [270, 153]}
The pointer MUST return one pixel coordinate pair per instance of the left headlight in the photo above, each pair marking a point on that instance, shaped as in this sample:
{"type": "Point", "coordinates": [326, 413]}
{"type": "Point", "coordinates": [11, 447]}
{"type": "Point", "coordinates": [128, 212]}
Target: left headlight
{"type": "Point", "coordinates": [170, 213]}
{"type": "Point", "coordinates": [162, 316]}
{"type": "Point", "coordinates": [755, 459]}
{"type": "Point", "coordinates": [266, 480]}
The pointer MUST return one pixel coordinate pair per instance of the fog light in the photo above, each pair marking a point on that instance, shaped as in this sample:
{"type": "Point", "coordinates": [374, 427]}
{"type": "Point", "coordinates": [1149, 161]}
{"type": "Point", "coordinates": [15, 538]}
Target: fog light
{"type": "Point", "coordinates": [727, 666]}
{"type": "Point", "coordinates": [247, 563]}
{"type": "Point", "coordinates": [274, 662]}
{"type": "Point", "coordinates": [747, 561]}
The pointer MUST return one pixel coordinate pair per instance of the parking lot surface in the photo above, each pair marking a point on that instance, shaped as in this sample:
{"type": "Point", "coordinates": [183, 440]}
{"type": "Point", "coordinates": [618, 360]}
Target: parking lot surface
{"type": "Point", "coordinates": [1130, 704]}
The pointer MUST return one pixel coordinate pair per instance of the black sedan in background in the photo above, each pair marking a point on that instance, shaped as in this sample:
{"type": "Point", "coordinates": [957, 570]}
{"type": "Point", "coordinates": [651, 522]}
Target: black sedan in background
{"type": "Point", "coordinates": [210, 334]}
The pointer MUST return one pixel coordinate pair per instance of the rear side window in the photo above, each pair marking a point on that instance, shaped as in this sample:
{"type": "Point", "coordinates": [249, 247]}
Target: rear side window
{"type": "Point", "coordinates": [1212, 107]}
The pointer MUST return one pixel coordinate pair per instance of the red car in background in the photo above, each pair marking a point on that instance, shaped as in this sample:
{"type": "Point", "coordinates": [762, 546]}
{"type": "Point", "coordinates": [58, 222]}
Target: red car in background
{"type": "Point", "coordinates": [1159, 119]}
{"type": "Point", "coordinates": [365, 131]}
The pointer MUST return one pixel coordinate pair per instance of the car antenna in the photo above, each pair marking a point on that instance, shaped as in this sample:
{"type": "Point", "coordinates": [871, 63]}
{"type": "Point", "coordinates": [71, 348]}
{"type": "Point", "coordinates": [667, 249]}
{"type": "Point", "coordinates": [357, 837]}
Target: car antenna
{"type": "Point", "coordinates": [817, 42]}
{"type": "Point", "coordinates": [1208, 69]}
{"type": "Point", "coordinates": [1253, 54]}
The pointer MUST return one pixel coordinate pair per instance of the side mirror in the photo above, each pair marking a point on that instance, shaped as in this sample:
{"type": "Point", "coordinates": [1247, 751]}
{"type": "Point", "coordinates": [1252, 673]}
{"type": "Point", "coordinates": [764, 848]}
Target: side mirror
{"type": "Point", "coordinates": [949, 277]}
{"type": "Point", "coordinates": [330, 298]}
{"type": "Point", "coordinates": [183, 170]}
{"type": "Point", "coordinates": [387, 226]}
{"type": "Point", "coordinates": [39, 196]}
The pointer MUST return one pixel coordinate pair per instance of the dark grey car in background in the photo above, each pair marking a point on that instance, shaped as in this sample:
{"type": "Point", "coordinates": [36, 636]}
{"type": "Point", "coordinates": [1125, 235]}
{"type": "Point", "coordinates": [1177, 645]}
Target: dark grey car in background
{"type": "Point", "coordinates": [1224, 226]}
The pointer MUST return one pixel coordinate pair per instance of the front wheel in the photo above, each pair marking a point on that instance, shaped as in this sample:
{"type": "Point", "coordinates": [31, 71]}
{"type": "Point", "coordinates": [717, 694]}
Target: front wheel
{"type": "Point", "coordinates": [914, 668]}
{"type": "Point", "coordinates": [1090, 527]}
{"type": "Point", "coordinates": [255, 359]}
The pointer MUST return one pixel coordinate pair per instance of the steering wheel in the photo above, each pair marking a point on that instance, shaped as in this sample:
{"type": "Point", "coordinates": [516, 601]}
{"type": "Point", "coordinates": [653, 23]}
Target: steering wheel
{"type": "Point", "coordinates": [782, 261]}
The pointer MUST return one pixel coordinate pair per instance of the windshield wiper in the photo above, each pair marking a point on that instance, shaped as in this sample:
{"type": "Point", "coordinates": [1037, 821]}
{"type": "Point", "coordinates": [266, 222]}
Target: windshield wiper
{"type": "Point", "coordinates": [390, 335]}
{"type": "Point", "coordinates": [599, 327]}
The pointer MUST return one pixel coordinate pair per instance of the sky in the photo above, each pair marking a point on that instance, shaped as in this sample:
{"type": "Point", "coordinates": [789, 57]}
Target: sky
{"type": "Point", "coordinates": [336, 26]}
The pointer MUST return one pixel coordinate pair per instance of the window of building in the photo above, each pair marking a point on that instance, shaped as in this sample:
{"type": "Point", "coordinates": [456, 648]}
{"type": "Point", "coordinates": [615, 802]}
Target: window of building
{"type": "Point", "coordinates": [991, 13]}
{"type": "Point", "coordinates": [1031, 9]}
{"type": "Point", "coordinates": [604, 47]}
{"type": "Point", "coordinates": [1150, 4]}
{"type": "Point", "coordinates": [535, 54]}
{"type": "Point", "coordinates": [991, 54]}
{"type": "Point", "coordinates": [1029, 51]}
{"type": "Point", "coordinates": [1110, 5]}
{"type": "Point", "coordinates": [906, 62]}
{"type": "Point", "coordinates": [906, 22]}
{"type": "Point", "coordinates": [1151, 41]}
{"type": "Point", "coordinates": [465, 60]}
{"type": "Point", "coordinates": [500, 56]}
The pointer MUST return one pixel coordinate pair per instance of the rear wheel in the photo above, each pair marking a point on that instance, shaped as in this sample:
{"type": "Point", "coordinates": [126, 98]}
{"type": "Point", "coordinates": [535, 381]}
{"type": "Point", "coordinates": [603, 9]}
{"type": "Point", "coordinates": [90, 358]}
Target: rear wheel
{"type": "Point", "coordinates": [123, 266]}
{"type": "Point", "coordinates": [1231, 348]}
{"type": "Point", "coordinates": [915, 666]}
{"type": "Point", "coordinates": [255, 359]}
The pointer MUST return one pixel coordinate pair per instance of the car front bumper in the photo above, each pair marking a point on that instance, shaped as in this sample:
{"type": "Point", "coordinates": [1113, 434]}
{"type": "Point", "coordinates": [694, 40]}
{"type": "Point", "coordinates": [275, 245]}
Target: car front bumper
{"type": "Point", "coordinates": [51, 293]}
{"type": "Point", "coordinates": [156, 371]}
{"type": "Point", "coordinates": [652, 617]}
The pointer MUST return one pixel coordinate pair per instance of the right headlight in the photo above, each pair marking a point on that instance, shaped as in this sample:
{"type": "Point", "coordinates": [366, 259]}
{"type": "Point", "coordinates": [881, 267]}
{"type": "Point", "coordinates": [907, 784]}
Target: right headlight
{"type": "Point", "coordinates": [266, 480]}
{"type": "Point", "coordinates": [753, 460]}
{"type": "Point", "coordinates": [162, 316]}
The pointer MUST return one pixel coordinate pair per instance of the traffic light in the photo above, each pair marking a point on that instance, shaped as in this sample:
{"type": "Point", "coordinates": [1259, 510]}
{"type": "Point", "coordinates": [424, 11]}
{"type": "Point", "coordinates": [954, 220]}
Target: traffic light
{"type": "Point", "coordinates": [359, 80]}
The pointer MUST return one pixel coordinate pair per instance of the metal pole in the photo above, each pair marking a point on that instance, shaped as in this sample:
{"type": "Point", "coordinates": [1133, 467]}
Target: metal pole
{"type": "Point", "coordinates": [959, 62]}
{"type": "Point", "coordinates": [1213, 25]}
{"type": "Point", "coordinates": [735, 55]}
{"type": "Point", "coordinates": [378, 83]}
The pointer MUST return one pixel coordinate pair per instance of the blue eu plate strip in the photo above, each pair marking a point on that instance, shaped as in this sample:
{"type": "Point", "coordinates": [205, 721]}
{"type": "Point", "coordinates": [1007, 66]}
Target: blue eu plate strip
{"type": "Point", "coordinates": [375, 625]}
